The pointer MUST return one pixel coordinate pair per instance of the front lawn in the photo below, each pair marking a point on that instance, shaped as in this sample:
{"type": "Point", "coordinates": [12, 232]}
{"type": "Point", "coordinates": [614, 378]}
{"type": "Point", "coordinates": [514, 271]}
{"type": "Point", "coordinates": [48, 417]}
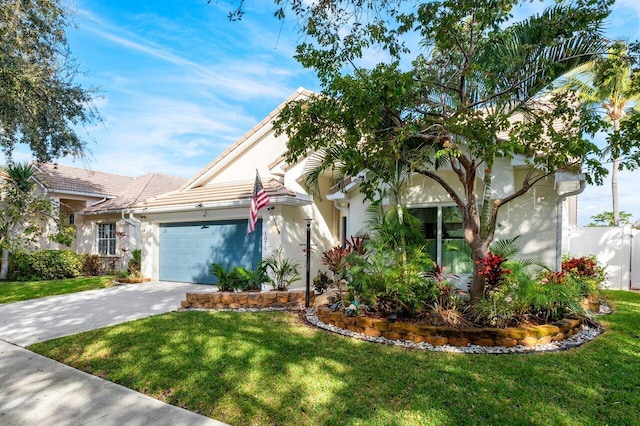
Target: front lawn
{"type": "Point", "coordinates": [14, 291]}
{"type": "Point", "coordinates": [268, 368]}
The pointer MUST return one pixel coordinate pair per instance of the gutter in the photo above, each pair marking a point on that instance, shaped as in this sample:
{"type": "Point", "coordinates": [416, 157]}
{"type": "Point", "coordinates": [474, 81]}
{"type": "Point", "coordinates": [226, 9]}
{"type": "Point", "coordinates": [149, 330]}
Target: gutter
{"type": "Point", "coordinates": [300, 200]}
{"type": "Point", "coordinates": [131, 220]}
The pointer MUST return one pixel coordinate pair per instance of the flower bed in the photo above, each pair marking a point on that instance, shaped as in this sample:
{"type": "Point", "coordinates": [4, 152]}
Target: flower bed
{"type": "Point", "coordinates": [439, 335]}
{"type": "Point", "coordinates": [244, 299]}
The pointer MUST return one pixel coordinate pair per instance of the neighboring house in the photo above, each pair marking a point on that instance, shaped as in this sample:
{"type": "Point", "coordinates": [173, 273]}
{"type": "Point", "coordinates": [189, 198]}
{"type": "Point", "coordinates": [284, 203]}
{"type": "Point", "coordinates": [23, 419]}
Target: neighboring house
{"type": "Point", "coordinates": [94, 203]}
{"type": "Point", "coordinates": [205, 221]}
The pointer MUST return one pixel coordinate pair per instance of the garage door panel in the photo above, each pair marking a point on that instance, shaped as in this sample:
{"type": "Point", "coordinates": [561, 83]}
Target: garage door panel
{"type": "Point", "coordinates": [187, 249]}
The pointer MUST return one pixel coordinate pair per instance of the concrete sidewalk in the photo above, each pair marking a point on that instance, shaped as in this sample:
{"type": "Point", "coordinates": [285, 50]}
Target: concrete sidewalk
{"type": "Point", "coordinates": [35, 390]}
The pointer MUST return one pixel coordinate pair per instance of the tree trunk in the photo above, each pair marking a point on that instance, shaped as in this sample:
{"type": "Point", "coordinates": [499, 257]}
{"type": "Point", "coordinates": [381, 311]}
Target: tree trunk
{"type": "Point", "coordinates": [614, 179]}
{"type": "Point", "coordinates": [4, 270]}
{"type": "Point", "coordinates": [479, 248]}
{"type": "Point", "coordinates": [614, 192]}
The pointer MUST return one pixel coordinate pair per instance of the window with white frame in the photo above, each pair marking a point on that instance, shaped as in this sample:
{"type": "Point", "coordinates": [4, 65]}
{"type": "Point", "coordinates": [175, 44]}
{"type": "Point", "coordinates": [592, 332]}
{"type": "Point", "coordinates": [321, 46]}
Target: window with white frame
{"type": "Point", "coordinates": [445, 237]}
{"type": "Point", "coordinates": [107, 239]}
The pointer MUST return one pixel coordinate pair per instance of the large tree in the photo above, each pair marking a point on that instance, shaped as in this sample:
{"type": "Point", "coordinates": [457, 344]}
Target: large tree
{"type": "Point", "coordinates": [40, 104]}
{"type": "Point", "coordinates": [457, 82]}
{"type": "Point", "coordinates": [609, 86]}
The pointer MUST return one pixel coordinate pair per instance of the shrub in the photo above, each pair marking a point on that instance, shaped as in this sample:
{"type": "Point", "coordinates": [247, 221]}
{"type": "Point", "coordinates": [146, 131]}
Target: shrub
{"type": "Point", "coordinates": [226, 280]}
{"type": "Point", "coordinates": [91, 265]}
{"type": "Point", "coordinates": [390, 281]}
{"type": "Point", "coordinates": [283, 271]}
{"type": "Point", "coordinates": [135, 263]}
{"type": "Point", "coordinates": [45, 265]}
{"type": "Point", "coordinates": [587, 273]}
{"type": "Point", "coordinates": [493, 271]}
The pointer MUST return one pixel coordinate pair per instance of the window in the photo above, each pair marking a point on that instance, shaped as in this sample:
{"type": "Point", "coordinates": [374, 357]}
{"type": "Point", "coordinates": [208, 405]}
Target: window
{"type": "Point", "coordinates": [445, 237]}
{"type": "Point", "coordinates": [107, 239]}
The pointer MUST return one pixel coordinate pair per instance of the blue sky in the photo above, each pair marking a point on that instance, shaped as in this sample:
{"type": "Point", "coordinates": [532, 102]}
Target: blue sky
{"type": "Point", "coordinates": [179, 83]}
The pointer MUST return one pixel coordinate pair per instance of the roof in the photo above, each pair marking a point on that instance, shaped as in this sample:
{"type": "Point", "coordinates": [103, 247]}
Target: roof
{"type": "Point", "coordinates": [56, 177]}
{"type": "Point", "coordinates": [119, 191]}
{"type": "Point", "coordinates": [143, 187]}
{"type": "Point", "coordinates": [216, 193]}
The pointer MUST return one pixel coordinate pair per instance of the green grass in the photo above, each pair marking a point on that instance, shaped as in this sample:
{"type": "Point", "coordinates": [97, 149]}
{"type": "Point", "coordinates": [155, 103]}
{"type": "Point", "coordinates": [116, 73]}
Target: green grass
{"type": "Point", "coordinates": [268, 368]}
{"type": "Point", "coordinates": [14, 291]}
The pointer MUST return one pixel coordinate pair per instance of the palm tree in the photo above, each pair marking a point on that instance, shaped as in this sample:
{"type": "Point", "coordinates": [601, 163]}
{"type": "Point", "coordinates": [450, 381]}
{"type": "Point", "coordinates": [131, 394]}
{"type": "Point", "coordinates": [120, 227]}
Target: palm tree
{"type": "Point", "coordinates": [604, 86]}
{"type": "Point", "coordinates": [17, 181]}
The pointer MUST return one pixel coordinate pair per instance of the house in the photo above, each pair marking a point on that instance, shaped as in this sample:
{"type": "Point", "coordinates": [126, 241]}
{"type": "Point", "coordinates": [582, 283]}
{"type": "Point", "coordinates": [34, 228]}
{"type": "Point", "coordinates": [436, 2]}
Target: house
{"type": "Point", "coordinates": [94, 202]}
{"type": "Point", "coordinates": [205, 221]}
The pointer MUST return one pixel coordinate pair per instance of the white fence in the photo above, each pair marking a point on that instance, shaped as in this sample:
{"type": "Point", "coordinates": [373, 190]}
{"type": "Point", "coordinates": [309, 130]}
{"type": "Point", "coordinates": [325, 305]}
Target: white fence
{"type": "Point", "coordinates": [618, 249]}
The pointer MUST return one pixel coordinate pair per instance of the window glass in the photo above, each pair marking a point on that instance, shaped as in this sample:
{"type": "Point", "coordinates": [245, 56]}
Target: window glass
{"type": "Point", "coordinates": [107, 239]}
{"type": "Point", "coordinates": [445, 240]}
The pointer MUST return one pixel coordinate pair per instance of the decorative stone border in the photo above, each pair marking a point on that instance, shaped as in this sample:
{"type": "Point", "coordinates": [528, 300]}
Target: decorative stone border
{"type": "Point", "coordinates": [246, 299]}
{"type": "Point", "coordinates": [585, 335]}
{"type": "Point", "coordinates": [458, 337]}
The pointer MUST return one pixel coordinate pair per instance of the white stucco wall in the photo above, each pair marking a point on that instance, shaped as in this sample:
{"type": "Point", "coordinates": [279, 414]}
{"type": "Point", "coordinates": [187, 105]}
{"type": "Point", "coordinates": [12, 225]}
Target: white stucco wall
{"type": "Point", "coordinates": [532, 216]}
{"type": "Point", "coordinates": [257, 152]}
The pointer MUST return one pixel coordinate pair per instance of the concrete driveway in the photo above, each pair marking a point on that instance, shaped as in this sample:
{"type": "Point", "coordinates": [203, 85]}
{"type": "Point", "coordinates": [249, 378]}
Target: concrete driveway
{"type": "Point", "coordinates": [35, 390]}
{"type": "Point", "coordinates": [31, 321]}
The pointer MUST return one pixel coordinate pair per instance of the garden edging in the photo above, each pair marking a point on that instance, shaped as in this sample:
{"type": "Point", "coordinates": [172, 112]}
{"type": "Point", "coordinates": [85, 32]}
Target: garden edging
{"type": "Point", "coordinates": [438, 335]}
{"type": "Point", "coordinates": [246, 299]}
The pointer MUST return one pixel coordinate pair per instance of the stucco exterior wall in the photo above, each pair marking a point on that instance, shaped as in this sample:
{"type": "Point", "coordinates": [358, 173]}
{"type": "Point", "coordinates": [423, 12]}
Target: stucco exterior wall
{"type": "Point", "coordinates": [262, 148]}
{"type": "Point", "coordinates": [532, 216]}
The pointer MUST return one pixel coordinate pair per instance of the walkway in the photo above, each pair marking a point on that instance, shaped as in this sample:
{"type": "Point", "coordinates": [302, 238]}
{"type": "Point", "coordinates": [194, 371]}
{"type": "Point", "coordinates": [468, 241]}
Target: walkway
{"type": "Point", "coordinates": [37, 390]}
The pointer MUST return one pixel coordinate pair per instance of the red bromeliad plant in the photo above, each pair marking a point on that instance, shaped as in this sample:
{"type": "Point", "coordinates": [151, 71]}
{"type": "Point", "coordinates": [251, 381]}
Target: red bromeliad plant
{"type": "Point", "coordinates": [491, 269]}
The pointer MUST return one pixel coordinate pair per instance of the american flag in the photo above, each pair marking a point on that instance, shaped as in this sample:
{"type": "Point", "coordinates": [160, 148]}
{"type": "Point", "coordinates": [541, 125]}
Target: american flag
{"type": "Point", "coordinates": [258, 201]}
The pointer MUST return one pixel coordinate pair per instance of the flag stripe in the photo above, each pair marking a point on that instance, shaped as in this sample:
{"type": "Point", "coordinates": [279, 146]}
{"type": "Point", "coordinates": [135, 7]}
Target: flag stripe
{"type": "Point", "coordinates": [258, 201]}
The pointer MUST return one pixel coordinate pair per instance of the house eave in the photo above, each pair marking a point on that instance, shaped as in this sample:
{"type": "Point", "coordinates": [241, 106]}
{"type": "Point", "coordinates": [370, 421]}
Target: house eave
{"type": "Point", "coordinates": [298, 200]}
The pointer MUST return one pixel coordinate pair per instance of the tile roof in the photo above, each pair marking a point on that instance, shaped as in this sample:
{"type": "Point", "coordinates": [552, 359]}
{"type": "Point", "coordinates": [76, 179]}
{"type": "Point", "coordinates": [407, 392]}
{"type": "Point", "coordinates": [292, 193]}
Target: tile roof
{"type": "Point", "coordinates": [56, 177]}
{"type": "Point", "coordinates": [233, 191]}
{"type": "Point", "coordinates": [122, 191]}
{"type": "Point", "coordinates": [143, 187]}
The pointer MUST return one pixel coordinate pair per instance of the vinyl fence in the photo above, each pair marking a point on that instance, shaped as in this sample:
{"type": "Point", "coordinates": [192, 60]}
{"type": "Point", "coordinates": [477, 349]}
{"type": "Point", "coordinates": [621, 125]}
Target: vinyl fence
{"type": "Point", "coordinates": [618, 249]}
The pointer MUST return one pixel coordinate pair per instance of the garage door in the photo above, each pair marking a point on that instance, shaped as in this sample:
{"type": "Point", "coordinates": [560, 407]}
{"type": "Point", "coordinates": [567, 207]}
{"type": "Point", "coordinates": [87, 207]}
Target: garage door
{"type": "Point", "coordinates": [187, 249]}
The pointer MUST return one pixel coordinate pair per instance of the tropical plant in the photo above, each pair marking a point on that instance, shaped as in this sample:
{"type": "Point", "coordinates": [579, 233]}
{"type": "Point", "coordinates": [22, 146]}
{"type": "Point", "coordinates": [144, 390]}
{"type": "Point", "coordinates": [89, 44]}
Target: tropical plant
{"type": "Point", "coordinates": [91, 265]}
{"type": "Point", "coordinates": [249, 279]}
{"type": "Point", "coordinates": [606, 218]}
{"type": "Point", "coordinates": [608, 86]}
{"type": "Point", "coordinates": [224, 275]}
{"type": "Point", "coordinates": [589, 275]}
{"type": "Point", "coordinates": [24, 211]}
{"type": "Point", "coordinates": [336, 260]}
{"type": "Point", "coordinates": [482, 78]}
{"type": "Point", "coordinates": [282, 271]}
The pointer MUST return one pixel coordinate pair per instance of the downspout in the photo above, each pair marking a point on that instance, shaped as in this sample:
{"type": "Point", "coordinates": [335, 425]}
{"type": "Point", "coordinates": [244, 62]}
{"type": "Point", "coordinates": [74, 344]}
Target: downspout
{"type": "Point", "coordinates": [561, 198]}
{"type": "Point", "coordinates": [630, 258]}
{"type": "Point", "coordinates": [99, 202]}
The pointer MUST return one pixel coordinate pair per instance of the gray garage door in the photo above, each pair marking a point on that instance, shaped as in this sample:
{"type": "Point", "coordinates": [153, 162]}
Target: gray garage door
{"type": "Point", "coordinates": [187, 249]}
